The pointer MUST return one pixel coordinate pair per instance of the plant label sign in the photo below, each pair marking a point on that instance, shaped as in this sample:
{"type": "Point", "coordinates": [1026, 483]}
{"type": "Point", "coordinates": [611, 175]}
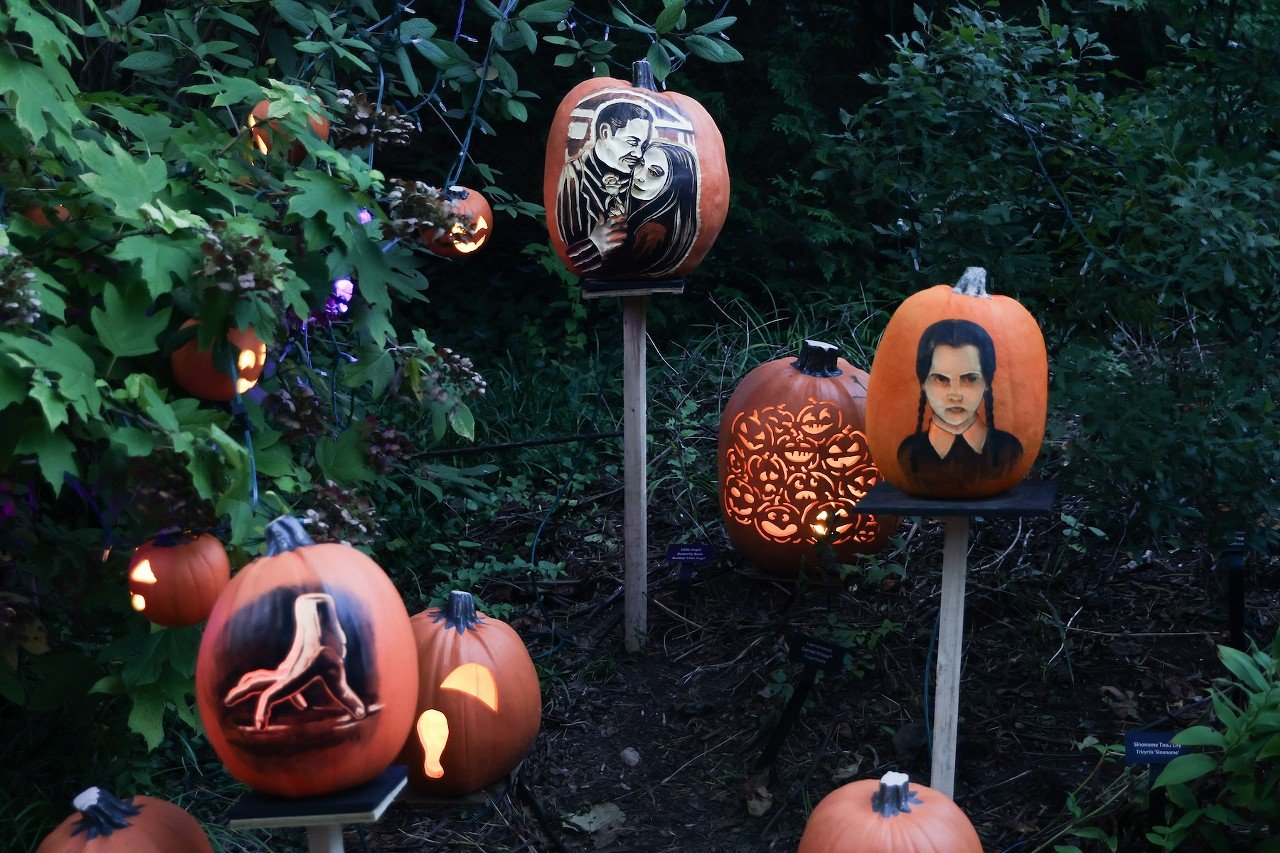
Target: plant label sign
{"type": "Point", "coordinates": [690, 553]}
{"type": "Point", "coordinates": [1154, 748]}
{"type": "Point", "coordinates": [816, 653]}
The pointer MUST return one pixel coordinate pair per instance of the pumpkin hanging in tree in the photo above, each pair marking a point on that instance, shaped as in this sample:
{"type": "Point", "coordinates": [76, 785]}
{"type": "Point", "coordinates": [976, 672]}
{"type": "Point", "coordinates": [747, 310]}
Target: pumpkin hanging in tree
{"type": "Point", "coordinates": [194, 369]}
{"type": "Point", "coordinates": [175, 579]}
{"type": "Point", "coordinates": [266, 132]}
{"type": "Point", "coordinates": [105, 824]}
{"type": "Point", "coordinates": [888, 816]}
{"type": "Point", "coordinates": [470, 231]}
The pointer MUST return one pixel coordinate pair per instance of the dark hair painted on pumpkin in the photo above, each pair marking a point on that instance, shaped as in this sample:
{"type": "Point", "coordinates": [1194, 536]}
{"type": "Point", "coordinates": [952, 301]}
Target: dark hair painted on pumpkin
{"type": "Point", "coordinates": [956, 333]}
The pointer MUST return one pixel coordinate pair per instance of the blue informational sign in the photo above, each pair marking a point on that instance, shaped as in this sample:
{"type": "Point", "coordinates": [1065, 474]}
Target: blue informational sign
{"type": "Point", "coordinates": [1151, 748]}
{"type": "Point", "coordinates": [690, 553]}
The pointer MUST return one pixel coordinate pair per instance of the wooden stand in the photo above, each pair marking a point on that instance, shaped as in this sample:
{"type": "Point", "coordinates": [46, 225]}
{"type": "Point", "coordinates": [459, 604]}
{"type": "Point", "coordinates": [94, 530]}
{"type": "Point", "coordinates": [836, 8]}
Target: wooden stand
{"type": "Point", "coordinates": [1031, 497]}
{"type": "Point", "coordinates": [322, 816]}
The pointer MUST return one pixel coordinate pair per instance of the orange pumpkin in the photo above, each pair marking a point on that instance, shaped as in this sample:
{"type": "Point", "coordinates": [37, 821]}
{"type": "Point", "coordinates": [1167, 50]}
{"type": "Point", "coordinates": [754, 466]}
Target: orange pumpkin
{"type": "Point", "coordinates": [479, 705]}
{"type": "Point", "coordinates": [793, 463]}
{"type": "Point", "coordinates": [888, 816]}
{"type": "Point", "coordinates": [104, 824]}
{"type": "Point", "coordinates": [40, 215]}
{"type": "Point", "coordinates": [301, 678]}
{"type": "Point", "coordinates": [635, 183]}
{"type": "Point", "coordinates": [263, 131]}
{"type": "Point", "coordinates": [194, 370]}
{"type": "Point", "coordinates": [959, 392]}
{"type": "Point", "coordinates": [461, 240]}
{"type": "Point", "coordinates": [174, 581]}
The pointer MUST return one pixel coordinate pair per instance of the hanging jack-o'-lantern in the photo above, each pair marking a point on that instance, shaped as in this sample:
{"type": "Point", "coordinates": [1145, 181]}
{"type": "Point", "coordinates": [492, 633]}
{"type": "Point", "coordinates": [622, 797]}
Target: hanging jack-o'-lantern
{"type": "Point", "coordinates": [194, 370]}
{"type": "Point", "coordinates": [794, 462]}
{"type": "Point", "coordinates": [479, 705]}
{"type": "Point", "coordinates": [174, 580]}
{"type": "Point", "coordinates": [266, 133]}
{"type": "Point", "coordinates": [39, 214]}
{"type": "Point", "coordinates": [301, 678]}
{"type": "Point", "coordinates": [635, 184]}
{"type": "Point", "coordinates": [958, 393]}
{"type": "Point", "coordinates": [888, 815]}
{"type": "Point", "coordinates": [465, 237]}
{"type": "Point", "coordinates": [104, 824]}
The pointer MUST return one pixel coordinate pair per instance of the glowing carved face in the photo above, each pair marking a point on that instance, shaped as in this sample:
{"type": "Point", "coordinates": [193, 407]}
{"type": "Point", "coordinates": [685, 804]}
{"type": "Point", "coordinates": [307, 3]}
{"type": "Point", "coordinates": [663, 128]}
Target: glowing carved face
{"type": "Point", "coordinates": [141, 573]}
{"type": "Point", "coordinates": [780, 522]}
{"type": "Point", "coordinates": [470, 679]}
{"type": "Point", "coordinates": [818, 420]}
{"type": "Point", "coordinates": [250, 361]}
{"type": "Point", "coordinates": [467, 241]}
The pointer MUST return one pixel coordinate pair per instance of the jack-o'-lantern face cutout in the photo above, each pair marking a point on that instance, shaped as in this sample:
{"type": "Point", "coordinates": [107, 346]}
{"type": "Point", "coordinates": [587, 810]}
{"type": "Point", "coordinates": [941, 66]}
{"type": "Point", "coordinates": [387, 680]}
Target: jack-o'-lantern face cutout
{"type": "Point", "coordinates": [792, 447]}
{"type": "Point", "coordinates": [470, 679]}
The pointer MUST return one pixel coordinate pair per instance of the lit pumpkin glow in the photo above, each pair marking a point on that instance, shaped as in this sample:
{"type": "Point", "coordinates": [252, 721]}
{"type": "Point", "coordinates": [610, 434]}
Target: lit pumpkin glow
{"type": "Point", "coordinates": [461, 239]}
{"type": "Point", "coordinates": [194, 370]}
{"type": "Point", "coordinates": [474, 680]}
{"type": "Point", "coordinates": [174, 579]}
{"type": "Point", "coordinates": [433, 732]}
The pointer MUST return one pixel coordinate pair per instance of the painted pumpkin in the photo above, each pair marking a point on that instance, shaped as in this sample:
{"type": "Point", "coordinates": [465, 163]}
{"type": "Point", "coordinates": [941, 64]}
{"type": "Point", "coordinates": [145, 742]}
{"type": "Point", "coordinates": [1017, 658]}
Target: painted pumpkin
{"type": "Point", "coordinates": [301, 679]}
{"type": "Point", "coordinates": [462, 240]}
{"type": "Point", "coordinates": [479, 705]}
{"type": "Point", "coordinates": [794, 462]}
{"type": "Point", "coordinates": [175, 580]}
{"type": "Point", "coordinates": [635, 184]}
{"type": "Point", "coordinates": [104, 824]}
{"type": "Point", "coordinates": [194, 370]}
{"type": "Point", "coordinates": [959, 392]}
{"type": "Point", "coordinates": [263, 131]}
{"type": "Point", "coordinates": [888, 816]}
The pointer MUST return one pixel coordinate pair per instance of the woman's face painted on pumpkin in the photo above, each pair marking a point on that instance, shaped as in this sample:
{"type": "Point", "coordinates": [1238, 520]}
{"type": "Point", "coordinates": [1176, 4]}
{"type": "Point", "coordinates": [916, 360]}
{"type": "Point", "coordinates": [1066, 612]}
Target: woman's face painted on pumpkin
{"type": "Point", "coordinates": [954, 386]}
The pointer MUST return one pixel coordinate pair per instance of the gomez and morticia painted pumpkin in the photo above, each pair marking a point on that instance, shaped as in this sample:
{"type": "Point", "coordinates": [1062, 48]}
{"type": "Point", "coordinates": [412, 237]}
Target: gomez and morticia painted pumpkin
{"type": "Point", "coordinates": [635, 184]}
{"type": "Point", "coordinates": [794, 462]}
{"type": "Point", "coordinates": [888, 816]}
{"type": "Point", "coordinates": [305, 678]}
{"type": "Point", "coordinates": [959, 392]}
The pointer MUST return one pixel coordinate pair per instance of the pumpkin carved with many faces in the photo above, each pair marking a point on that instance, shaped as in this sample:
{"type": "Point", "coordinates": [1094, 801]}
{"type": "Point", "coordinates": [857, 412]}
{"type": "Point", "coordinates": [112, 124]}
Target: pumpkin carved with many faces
{"type": "Point", "coordinates": [175, 580]}
{"type": "Point", "coordinates": [888, 815]}
{"type": "Point", "coordinates": [793, 463]}
{"type": "Point", "coordinates": [104, 824]}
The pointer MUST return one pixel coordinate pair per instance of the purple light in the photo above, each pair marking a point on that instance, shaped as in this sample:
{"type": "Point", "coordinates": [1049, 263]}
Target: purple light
{"type": "Point", "coordinates": [339, 301]}
{"type": "Point", "coordinates": [365, 216]}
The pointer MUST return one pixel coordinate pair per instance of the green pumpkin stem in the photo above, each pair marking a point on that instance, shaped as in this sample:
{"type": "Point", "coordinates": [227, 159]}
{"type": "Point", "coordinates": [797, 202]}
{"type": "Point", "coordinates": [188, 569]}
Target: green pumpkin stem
{"type": "Point", "coordinates": [101, 813]}
{"type": "Point", "coordinates": [973, 283]}
{"type": "Point", "coordinates": [286, 534]}
{"type": "Point", "coordinates": [460, 613]}
{"type": "Point", "coordinates": [642, 76]}
{"type": "Point", "coordinates": [817, 359]}
{"type": "Point", "coordinates": [895, 796]}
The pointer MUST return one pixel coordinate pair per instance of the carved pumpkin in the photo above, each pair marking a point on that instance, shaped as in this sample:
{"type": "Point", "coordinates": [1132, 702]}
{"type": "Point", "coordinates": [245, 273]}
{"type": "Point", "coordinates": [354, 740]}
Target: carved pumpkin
{"type": "Point", "coordinates": [635, 183]}
{"type": "Point", "coordinates": [479, 705]}
{"type": "Point", "coordinates": [462, 240]}
{"type": "Point", "coordinates": [40, 215]}
{"type": "Point", "coordinates": [304, 678]}
{"type": "Point", "coordinates": [958, 393]}
{"type": "Point", "coordinates": [175, 580]}
{"type": "Point", "coordinates": [104, 824]}
{"type": "Point", "coordinates": [793, 463]}
{"type": "Point", "coordinates": [194, 370]}
{"type": "Point", "coordinates": [264, 131]}
{"type": "Point", "coordinates": [888, 816]}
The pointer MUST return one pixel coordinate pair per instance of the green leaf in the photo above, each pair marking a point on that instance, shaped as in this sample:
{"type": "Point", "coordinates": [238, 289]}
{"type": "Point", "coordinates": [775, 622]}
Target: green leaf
{"type": "Point", "coordinates": [462, 421]}
{"type": "Point", "coordinates": [42, 99]}
{"type": "Point", "coordinates": [1243, 667]}
{"type": "Point", "coordinates": [134, 441]}
{"type": "Point", "coordinates": [122, 324]}
{"type": "Point", "coordinates": [718, 25]}
{"type": "Point", "coordinates": [147, 61]}
{"type": "Point", "coordinates": [296, 14]}
{"type": "Point", "coordinates": [147, 715]}
{"type": "Point", "coordinates": [343, 459]}
{"type": "Point", "coordinates": [124, 182]}
{"type": "Point", "coordinates": [670, 17]}
{"type": "Point", "coordinates": [165, 261]}
{"type": "Point", "coordinates": [54, 452]}
{"type": "Point", "coordinates": [320, 195]}
{"type": "Point", "coordinates": [412, 29]}
{"type": "Point", "coordinates": [1184, 768]}
{"type": "Point", "coordinates": [546, 11]}
{"type": "Point", "coordinates": [1199, 736]}
{"type": "Point", "coordinates": [660, 61]}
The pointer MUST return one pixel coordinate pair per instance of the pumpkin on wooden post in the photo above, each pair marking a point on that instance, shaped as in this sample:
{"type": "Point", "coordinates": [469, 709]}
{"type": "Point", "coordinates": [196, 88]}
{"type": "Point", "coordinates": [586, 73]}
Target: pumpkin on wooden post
{"type": "Point", "coordinates": [304, 679]}
{"type": "Point", "coordinates": [888, 815]}
{"type": "Point", "coordinates": [104, 824]}
{"type": "Point", "coordinates": [479, 704]}
{"type": "Point", "coordinates": [959, 392]}
{"type": "Point", "coordinates": [461, 239]}
{"type": "Point", "coordinates": [175, 579]}
{"type": "Point", "coordinates": [794, 462]}
{"type": "Point", "coordinates": [194, 370]}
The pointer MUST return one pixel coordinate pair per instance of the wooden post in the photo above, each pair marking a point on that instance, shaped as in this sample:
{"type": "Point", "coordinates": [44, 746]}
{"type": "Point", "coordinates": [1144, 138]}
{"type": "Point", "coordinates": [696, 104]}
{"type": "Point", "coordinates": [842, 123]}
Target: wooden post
{"type": "Point", "coordinates": [946, 704]}
{"type": "Point", "coordinates": [635, 485]}
{"type": "Point", "coordinates": [324, 838]}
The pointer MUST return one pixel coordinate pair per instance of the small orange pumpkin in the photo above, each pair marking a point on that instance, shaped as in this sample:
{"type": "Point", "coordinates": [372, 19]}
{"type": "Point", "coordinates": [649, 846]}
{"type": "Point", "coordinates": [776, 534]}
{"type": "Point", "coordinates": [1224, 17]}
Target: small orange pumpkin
{"type": "Point", "coordinates": [263, 130]}
{"type": "Point", "coordinates": [479, 704]}
{"type": "Point", "coordinates": [888, 816]}
{"type": "Point", "coordinates": [175, 580]}
{"type": "Point", "coordinates": [40, 215]}
{"type": "Point", "coordinates": [462, 240]}
{"type": "Point", "coordinates": [958, 393]}
{"type": "Point", "coordinates": [104, 824]}
{"type": "Point", "coordinates": [794, 463]}
{"type": "Point", "coordinates": [304, 679]}
{"type": "Point", "coordinates": [194, 370]}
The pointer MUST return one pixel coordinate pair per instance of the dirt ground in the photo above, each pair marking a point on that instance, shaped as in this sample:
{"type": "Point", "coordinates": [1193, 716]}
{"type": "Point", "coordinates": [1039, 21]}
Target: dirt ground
{"type": "Point", "coordinates": [662, 750]}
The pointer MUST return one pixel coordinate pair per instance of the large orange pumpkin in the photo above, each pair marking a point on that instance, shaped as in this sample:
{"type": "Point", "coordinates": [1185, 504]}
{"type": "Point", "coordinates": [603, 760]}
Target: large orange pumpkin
{"type": "Point", "coordinates": [264, 132]}
{"type": "Point", "coordinates": [794, 463]}
{"type": "Point", "coordinates": [104, 824]}
{"type": "Point", "coordinates": [479, 705]}
{"type": "Point", "coordinates": [304, 679]}
{"type": "Point", "coordinates": [888, 816]}
{"type": "Point", "coordinates": [959, 392]}
{"type": "Point", "coordinates": [635, 183]}
{"type": "Point", "coordinates": [175, 580]}
{"type": "Point", "coordinates": [194, 370]}
{"type": "Point", "coordinates": [461, 240]}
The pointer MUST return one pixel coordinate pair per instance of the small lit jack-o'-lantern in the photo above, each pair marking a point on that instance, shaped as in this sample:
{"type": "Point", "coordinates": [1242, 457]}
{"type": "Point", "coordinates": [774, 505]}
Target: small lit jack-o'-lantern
{"type": "Point", "coordinates": [105, 824]}
{"type": "Point", "coordinates": [635, 182]}
{"type": "Point", "coordinates": [175, 580]}
{"type": "Point", "coordinates": [479, 705]}
{"type": "Point", "coordinates": [301, 678]}
{"type": "Point", "coordinates": [194, 369]}
{"type": "Point", "coordinates": [888, 816]}
{"type": "Point", "coordinates": [266, 133]}
{"type": "Point", "coordinates": [462, 239]}
{"type": "Point", "coordinates": [958, 392]}
{"type": "Point", "coordinates": [793, 463]}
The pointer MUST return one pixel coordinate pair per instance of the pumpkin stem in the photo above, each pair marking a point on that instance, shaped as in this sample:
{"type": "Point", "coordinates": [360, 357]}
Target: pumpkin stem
{"type": "Point", "coordinates": [101, 813]}
{"type": "Point", "coordinates": [642, 75]}
{"type": "Point", "coordinates": [286, 534]}
{"type": "Point", "coordinates": [456, 193]}
{"type": "Point", "coordinates": [460, 612]}
{"type": "Point", "coordinates": [817, 359]}
{"type": "Point", "coordinates": [895, 795]}
{"type": "Point", "coordinates": [973, 283]}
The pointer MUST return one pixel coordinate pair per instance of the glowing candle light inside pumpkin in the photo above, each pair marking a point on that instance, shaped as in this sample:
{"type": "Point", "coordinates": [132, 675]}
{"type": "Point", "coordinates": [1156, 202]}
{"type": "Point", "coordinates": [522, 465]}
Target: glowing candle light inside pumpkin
{"type": "Point", "coordinates": [474, 680]}
{"type": "Point", "coordinates": [141, 574]}
{"type": "Point", "coordinates": [467, 246]}
{"type": "Point", "coordinates": [249, 359]}
{"type": "Point", "coordinates": [259, 139]}
{"type": "Point", "coordinates": [433, 731]}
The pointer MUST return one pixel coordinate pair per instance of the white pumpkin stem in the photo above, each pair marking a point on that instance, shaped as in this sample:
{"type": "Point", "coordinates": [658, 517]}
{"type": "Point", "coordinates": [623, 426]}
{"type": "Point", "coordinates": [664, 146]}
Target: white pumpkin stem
{"type": "Point", "coordinates": [895, 796]}
{"type": "Point", "coordinates": [817, 359]}
{"type": "Point", "coordinates": [642, 76]}
{"type": "Point", "coordinates": [101, 813]}
{"type": "Point", "coordinates": [973, 283]}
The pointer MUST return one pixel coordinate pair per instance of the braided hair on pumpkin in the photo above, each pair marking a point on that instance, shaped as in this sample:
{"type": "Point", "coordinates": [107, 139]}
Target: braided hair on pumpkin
{"type": "Point", "coordinates": [956, 333]}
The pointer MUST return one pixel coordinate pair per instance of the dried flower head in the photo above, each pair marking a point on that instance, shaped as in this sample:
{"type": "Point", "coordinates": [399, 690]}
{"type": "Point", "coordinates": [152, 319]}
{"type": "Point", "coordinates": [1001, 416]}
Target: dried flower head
{"type": "Point", "coordinates": [361, 123]}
